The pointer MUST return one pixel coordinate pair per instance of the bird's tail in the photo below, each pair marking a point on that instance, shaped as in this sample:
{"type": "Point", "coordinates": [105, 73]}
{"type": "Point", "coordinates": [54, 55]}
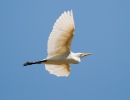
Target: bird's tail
{"type": "Point", "coordinates": [37, 62]}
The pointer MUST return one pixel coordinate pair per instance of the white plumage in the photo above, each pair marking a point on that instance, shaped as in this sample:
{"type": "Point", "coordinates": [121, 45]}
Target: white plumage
{"type": "Point", "coordinates": [58, 70]}
{"type": "Point", "coordinates": [59, 55]}
{"type": "Point", "coordinates": [61, 36]}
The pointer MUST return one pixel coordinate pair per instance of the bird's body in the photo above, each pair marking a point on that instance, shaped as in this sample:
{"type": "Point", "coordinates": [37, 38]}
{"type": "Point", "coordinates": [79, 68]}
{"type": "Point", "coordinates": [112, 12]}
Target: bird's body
{"type": "Point", "coordinates": [59, 55]}
{"type": "Point", "coordinates": [70, 58]}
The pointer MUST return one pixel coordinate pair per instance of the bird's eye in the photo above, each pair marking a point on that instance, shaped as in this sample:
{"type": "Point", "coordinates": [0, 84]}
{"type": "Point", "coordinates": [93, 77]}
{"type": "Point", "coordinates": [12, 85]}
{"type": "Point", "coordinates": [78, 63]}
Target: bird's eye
{"type": "Point", "coordinates": [81, 55]}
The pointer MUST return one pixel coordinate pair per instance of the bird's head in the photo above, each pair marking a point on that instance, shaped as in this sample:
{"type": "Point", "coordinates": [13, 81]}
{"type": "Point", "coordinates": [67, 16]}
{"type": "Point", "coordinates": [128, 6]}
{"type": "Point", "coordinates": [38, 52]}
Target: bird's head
{"type": "Point", "coordinates": [81, 55]}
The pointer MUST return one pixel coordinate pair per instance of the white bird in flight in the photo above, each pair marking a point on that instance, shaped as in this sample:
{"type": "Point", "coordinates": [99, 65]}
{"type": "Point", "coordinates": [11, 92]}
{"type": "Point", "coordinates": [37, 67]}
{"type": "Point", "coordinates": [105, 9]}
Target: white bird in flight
{"type": "Point", "coordinates": [59, 55]}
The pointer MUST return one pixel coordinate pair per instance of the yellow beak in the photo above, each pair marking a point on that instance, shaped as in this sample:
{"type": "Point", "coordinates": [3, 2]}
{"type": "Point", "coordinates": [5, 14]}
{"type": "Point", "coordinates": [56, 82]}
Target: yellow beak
{"type": "Point", "coordinates": [86, 54]}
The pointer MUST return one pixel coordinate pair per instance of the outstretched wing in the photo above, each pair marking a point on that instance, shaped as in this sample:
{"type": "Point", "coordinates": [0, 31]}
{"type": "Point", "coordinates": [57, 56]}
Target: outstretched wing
{"type": "Point", "coordinates": [58, 70]}
{"type": "Point", "coordinates": [59, 42]}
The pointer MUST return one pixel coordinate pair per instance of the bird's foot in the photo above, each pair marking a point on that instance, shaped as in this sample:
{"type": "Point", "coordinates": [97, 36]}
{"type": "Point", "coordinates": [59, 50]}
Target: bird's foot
{"type": "Point", "coordinates": [28, 63]}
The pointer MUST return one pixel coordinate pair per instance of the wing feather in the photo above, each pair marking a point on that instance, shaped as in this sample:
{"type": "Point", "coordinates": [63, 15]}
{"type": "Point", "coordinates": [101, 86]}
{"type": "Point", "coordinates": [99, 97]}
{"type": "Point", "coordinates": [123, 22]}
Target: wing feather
{"type": "Point", "coordinates": [58, 70]}
{"type": "Point", "coordinates": [60, 39]}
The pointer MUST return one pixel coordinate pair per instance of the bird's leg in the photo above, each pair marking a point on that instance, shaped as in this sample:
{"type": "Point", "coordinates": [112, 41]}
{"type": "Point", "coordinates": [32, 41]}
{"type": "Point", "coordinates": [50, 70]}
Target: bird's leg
{"type": "Point", "coordinates": [37, 62]}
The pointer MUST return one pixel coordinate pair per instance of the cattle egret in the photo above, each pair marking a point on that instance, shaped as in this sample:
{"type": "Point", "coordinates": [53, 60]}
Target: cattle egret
{"type": "Point", "coordinates": [59, 55]}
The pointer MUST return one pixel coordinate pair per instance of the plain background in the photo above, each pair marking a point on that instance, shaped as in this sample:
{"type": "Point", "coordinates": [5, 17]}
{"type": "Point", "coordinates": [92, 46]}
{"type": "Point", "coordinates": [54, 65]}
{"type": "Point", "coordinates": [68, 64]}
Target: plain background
{"type": "Point", "coordinates": [102, 28]}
